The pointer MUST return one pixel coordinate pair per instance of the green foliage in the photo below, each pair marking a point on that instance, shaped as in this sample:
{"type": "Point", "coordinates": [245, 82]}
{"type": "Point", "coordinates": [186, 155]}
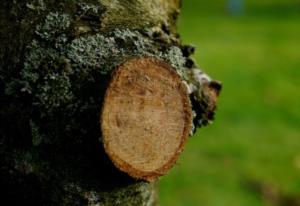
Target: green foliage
{"type": "Point", "coordinates": [255, 136]}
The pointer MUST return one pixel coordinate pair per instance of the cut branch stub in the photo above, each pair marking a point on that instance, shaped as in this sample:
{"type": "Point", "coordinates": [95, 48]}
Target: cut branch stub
{"type": "Point", "coordinates": [146, 118]}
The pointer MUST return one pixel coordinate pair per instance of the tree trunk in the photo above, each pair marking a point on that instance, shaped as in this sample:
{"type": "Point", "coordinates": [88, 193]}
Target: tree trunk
{"type": "Point", "coordinates": [56, 60]}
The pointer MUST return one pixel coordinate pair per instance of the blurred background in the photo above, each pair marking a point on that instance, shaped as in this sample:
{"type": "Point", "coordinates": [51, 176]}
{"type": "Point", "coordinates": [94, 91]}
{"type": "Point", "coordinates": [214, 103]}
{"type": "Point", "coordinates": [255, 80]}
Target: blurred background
{"type": "Point", "coordinates": [250, 155]}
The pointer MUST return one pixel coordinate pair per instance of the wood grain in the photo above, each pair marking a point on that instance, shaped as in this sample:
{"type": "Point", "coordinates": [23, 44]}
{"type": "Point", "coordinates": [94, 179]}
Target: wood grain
{"type": "Point", "coordinates": [146, 118]}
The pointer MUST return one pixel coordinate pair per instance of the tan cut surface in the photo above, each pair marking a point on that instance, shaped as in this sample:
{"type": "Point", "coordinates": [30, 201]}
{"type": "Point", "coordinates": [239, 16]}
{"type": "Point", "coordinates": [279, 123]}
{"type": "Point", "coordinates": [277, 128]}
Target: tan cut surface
{"type": "Point", "coordinates": [146, 118]}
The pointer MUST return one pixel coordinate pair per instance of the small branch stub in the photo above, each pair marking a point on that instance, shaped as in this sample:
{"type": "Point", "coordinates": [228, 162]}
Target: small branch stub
{"type": "Point", "coordinates": [146, 118]}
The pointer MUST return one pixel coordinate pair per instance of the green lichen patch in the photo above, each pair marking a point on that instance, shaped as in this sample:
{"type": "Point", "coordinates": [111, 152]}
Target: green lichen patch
{"type": "Point", "coordinates": [87, 18]}
{"type": "Point", "coordinates": [88, 9]}
{"type": "Point", "coordinates": [46, 77]}
{"type": "Point", "coordinates": [54, 25]}
{"type": "Point", "coordinates": [36, 5]}
{"type": "Point", "coordinates": [36, 136]}
{"type": "Point", "coordinates": [140, 193]}
{"type": "Point", "coordinates": [137, 14]}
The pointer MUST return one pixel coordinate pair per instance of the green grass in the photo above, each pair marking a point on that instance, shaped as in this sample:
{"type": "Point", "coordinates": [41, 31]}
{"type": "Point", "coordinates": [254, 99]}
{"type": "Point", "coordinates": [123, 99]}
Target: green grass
{"type": "Point", "coordinates": [256, 134]}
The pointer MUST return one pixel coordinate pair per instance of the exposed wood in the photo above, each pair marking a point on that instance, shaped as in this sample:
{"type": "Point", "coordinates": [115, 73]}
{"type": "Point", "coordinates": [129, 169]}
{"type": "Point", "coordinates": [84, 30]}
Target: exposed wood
{"type": "Point", "coordinates": [146, 117]}
{"type": "Point", "coordinates": [56, 58]}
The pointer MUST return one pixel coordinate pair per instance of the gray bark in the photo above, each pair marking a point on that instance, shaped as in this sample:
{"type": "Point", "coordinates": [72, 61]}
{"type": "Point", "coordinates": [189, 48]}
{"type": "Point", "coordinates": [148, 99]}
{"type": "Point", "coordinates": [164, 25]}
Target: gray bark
{"type": "Point", "coordinates": [56, 58]}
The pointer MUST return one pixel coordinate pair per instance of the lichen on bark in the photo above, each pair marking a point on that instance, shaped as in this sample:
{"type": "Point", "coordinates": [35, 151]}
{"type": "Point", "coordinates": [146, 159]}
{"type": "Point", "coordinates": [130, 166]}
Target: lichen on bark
{"type": "Point", "coordinates": [55, 61]}
{"type": "Point", "coordinates": [56, 66]}
{"type": "Point", "coordinates": [141, 194]}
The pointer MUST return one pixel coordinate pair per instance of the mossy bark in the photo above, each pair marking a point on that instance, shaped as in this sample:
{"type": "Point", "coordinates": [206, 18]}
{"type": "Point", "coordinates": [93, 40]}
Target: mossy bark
{"type": "Point", "coordinates": [56, 58]}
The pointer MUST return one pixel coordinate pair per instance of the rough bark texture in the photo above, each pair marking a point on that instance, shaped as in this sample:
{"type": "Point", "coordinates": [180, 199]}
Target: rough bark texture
{"type": "Point", "coordinates": [56, 58]}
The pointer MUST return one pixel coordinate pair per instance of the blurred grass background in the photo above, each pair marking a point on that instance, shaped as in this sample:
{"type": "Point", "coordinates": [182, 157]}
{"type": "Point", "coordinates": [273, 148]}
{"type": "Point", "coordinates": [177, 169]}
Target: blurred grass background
{"type": "Point", "coordinates": [250, 155]}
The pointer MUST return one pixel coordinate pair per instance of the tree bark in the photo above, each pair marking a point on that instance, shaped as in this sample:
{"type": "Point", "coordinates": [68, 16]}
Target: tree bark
{"type": "Point", "coordinates": [56, 59]}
